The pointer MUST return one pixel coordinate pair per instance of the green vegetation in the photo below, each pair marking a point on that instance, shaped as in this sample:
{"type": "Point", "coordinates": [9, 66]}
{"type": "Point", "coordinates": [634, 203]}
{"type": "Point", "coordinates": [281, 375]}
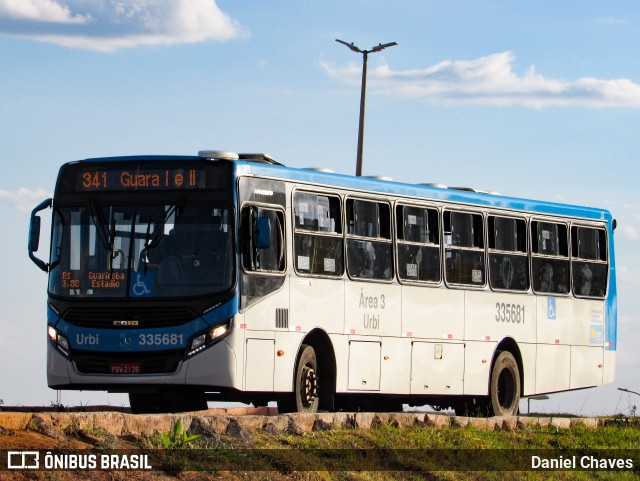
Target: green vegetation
{"type": "Point", "coordinates": [179, 438]}
{"type": "Point", "coordinates": [422, 453]}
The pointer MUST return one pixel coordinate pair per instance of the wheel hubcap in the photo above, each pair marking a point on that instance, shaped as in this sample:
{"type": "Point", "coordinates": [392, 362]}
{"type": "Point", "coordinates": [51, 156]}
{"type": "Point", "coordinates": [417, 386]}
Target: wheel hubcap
{"type": "Point", "coordinates": [309, 386]}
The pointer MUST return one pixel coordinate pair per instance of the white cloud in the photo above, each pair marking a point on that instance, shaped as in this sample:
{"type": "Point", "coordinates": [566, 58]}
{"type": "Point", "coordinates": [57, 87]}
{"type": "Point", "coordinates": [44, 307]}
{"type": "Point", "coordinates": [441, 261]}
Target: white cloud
{"type": "Point", "coordinates": [23, 199]}
{"type": "Point", "coordinates": [40, 11]}
{"type": "Point", "coordinates": [491, 80]}
{"type": "Point", "coordinates": [626, 275]}
{"type": "Point", "coordinates": [115, 24]}
{"type": "Point", "coordinates": [613, 21]}
{"type": "Point", "coordinates": [630, 232]}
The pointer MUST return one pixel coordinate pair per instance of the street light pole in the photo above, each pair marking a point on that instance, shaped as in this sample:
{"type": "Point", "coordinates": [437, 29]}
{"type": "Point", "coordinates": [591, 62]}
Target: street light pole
{"type": "Point", "coordinates": [365, 57]}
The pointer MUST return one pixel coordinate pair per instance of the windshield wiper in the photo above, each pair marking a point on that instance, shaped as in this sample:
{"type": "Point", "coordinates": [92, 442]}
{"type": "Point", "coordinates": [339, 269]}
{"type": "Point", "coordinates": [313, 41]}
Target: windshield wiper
{"type": "Point", "coordinates": [158, 232]}
{"type": "Point", "coordinates": [97, 217]}
{"type": "Point", "coordinates": [107, 237]}
{"type": "Point", "coordinates": [152, 240]}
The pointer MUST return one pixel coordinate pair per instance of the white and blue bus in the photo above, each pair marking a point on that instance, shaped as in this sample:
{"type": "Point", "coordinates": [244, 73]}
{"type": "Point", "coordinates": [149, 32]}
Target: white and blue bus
{"type": "Point", "coordinates": [231, 277]}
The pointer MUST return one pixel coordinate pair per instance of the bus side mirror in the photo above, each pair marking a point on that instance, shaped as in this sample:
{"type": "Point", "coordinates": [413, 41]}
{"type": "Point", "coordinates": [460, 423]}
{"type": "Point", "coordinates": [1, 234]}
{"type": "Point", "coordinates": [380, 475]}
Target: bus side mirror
{"type": "Point", "coordinates": [263, 233]}
{"type": "Point", "coordinates": [34, 234]}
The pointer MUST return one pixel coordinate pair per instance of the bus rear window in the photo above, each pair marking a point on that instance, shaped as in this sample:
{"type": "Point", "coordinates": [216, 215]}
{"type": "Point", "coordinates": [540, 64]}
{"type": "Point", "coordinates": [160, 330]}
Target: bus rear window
{"type": "Point", "coordinates": [589, 266]}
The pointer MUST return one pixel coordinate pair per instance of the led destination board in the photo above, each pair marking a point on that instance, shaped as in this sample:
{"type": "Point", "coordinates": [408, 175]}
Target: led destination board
{"type": "Point", "coordinates": [140, 179]}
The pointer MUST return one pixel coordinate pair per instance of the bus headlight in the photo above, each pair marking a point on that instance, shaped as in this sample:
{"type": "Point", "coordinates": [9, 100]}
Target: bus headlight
{"type": "Point", "coordinates": [61, 342]}
{"type": "Point", "coordinates": [205, 339]}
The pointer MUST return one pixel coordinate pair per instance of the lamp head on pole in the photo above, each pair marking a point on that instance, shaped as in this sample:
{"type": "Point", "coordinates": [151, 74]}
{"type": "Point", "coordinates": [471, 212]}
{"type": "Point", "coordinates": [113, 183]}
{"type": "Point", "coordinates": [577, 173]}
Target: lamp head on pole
{"type": "Point", "coordinates": [351, 46]}
{"type": "Point", "coordinates": [381, 46]}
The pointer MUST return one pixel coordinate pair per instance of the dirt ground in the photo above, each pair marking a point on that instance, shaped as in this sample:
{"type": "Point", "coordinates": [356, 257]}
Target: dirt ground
{"type": "Point", "coordinates": [43, 438]}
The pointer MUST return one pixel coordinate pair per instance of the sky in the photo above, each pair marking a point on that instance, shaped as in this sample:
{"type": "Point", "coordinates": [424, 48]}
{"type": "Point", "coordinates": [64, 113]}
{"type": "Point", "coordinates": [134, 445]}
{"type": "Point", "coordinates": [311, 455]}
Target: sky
{"type": "Point", "coordinates": [531, 99]}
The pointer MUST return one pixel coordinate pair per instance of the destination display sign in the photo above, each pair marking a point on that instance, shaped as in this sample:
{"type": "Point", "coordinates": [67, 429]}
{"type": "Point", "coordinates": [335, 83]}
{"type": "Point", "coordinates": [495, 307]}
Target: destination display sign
{"type": "Point", "coordinates": [140, 179]}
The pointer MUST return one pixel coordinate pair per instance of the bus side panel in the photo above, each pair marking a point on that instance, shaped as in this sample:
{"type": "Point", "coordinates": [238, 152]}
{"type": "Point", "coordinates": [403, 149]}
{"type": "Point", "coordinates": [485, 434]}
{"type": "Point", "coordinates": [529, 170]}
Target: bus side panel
{"type": "Point", "coordinates": [261, 322]}
{"type": "Point", "coordinates": [587, 350]}
{"type": "Point", "coordinates": [586, 366]}
{"type": "Point", "coordinates": [395, 376]}
{"type": "Point", "coordinates": [287, 342]}
{"type": "Point", "coordinates": [609, 366]}
{"type": "Point", "coordinates": [586, 319]}
{"type": "Point", "coordinates": [528, 354]}
{"type": "Point", "coordinates": [341, 349]}
{"type": "Point", "coordinates": [496, 315]}
{"type": "Point", "coordinates": [364, 365]}
{"type": "Point", "coordinates": [555, 320]}
{"type": "Point", "coordinates": [217, 366]}
{"type": "Point", "coordinates": [432, 312]}
{"type": "Point", "coordinates": [437, 368]}
{"type": "Point", "coordinates": [57, 370]}
{"type": "Point", "coordinates": [477, 367]}
{"type": "Point", "coordinates": [259, 372]}
{"type": "Point", "coordinates": [553, 368]}
{"type": "Point", "coordinates": [372, 309]}
{"type": "Point", "coordinates": [316, 302]}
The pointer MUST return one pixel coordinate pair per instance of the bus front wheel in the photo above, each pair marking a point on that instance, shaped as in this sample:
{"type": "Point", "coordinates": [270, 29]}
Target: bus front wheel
{"type": "Point", "coordinates": [505, 385]}
{"type": "Point", "coordinates": [306, 383]}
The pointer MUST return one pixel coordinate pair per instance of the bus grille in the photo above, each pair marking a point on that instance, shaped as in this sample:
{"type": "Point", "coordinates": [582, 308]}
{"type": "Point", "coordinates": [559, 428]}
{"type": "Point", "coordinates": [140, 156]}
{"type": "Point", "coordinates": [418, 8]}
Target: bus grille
{"type": "Point", "coordinates": [131, 317]}
{"type": "Point", "coordinates": [164, 362]}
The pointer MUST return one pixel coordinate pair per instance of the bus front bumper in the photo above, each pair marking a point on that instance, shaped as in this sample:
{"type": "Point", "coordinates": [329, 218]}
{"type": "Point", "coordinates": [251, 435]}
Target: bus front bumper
{"type": "Point", "coordinates": [215, 367]}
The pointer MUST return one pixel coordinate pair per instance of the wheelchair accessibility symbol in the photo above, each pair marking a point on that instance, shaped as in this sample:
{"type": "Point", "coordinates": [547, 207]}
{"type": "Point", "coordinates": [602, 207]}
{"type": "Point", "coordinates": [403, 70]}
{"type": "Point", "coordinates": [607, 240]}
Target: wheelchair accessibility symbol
{"type": "Point", "coordinates": [551, 308]}
{"type": "Point", "coordinates": [143, 285]}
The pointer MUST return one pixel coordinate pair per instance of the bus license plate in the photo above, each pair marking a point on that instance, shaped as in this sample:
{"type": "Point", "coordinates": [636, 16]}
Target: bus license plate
{"type": "Point", "coordinates": [124, 367]}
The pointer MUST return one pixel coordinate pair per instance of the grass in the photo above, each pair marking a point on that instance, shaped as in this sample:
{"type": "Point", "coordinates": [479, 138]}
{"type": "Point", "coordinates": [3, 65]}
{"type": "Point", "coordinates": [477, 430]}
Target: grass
{"type": "Point", "coordinates": [423, 453]}
{"type": "Point", "coordinates": [384, 452]}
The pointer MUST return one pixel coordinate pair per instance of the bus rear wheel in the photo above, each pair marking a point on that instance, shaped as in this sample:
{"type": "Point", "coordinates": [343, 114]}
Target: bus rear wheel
{"type": "Point", "coordinates": [504, 391]}
{"type": "Point", "coordinates": [305, 397]}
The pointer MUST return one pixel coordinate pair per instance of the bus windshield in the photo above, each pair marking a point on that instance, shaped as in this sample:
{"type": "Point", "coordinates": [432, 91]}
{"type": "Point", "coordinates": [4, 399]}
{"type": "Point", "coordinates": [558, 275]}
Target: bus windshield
{"type": "Point", "coordinates": [141, 251]}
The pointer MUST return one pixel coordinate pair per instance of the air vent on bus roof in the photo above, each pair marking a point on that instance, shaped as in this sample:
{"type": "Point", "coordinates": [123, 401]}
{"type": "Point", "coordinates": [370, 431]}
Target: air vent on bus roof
{"type": "Point", "coordinates": [218, 155]}
{"type": "Point", "coordinates": [379, 177]}
{"type": "Point", "coordinates": [261, 158]}
{"type": "Point", "coordinates": [435, 184]}
{"type": "Point", "coordinates": [320, 169]}
{"type": "Point", "coordinates": [477, 191]}
{"type": "Point", "coordinates": [222, 155]}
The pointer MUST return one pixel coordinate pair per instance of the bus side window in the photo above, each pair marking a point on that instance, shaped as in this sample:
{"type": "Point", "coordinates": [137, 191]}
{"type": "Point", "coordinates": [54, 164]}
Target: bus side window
{"type": "Point", "coordinates": [418, 244]}
{"type": "Point", "coordinates": [369, 246]}
{"type": "Point", "coordinates": [318, 241]}
{"type": "Point", "coordinates": [260, 253]}
{"type": "Point", "coordinates": [589, 262]}
{"type": "Point", "coordinates": [508, 261]}
{"type": "Point", "coordinates": [464, 248]}
{"type": "Point", "coordinates": [549, 257]}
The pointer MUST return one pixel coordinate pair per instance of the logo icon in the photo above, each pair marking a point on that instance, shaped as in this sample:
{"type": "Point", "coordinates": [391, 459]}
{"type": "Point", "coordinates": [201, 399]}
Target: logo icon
{"type": "Point", "coordinates": [23, 459]}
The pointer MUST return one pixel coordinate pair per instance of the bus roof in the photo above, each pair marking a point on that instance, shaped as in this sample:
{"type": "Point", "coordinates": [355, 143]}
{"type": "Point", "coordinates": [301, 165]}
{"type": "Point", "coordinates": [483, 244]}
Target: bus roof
{"type": "Point", "coordinates": [455, 195]}
{"type": "Point", "coordinates": [255, 164]}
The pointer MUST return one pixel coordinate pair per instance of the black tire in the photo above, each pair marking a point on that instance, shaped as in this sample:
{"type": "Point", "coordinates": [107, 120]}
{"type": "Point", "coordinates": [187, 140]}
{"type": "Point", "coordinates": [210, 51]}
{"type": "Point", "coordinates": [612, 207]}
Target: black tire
{"type": "Point", "coordinates": [305, 397]}
{"type": "Point", "coordinates": [504, 392]}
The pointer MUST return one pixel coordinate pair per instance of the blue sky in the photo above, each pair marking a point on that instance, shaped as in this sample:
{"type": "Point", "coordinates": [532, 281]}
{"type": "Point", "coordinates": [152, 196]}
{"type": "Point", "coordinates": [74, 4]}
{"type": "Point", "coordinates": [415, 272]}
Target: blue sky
{"type": "Point", "coordinates": [532, 99]}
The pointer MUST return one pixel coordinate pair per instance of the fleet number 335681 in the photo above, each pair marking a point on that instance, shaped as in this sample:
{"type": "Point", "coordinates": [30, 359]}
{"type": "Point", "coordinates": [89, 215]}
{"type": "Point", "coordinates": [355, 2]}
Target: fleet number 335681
{"type": "Point", "coordinates": [506, 312]}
